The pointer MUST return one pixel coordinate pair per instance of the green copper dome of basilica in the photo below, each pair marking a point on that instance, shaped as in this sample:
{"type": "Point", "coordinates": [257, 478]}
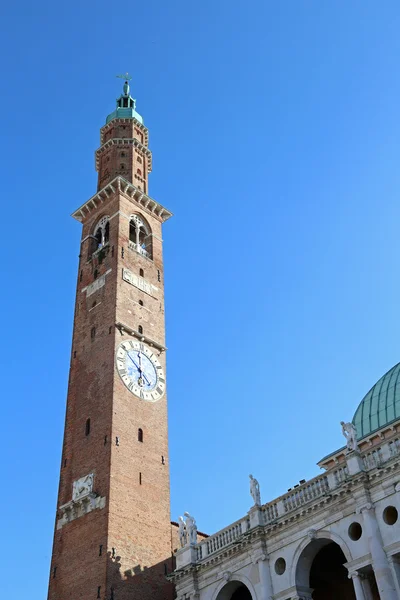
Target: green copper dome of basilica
{"type": "Point", "coordinates": [381, 405]}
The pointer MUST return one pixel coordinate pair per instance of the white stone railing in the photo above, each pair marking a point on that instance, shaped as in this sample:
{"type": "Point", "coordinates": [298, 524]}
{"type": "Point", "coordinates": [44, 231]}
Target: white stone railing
{"type": "Point", "coordinates": [297, 497]}
{"type": "Point", "coordinates": [270, 512]}
{"type": "Point", "coordinates": [372, 459]}
{"type": "Point", "coordinates": [394, 447]}
{"type": "Point", "coordinates": [340, 475]}
{"type": "Point", "coordinates": [222, 538]}
{"type": "Point", "coordinates": [315, 488]}
{"type": "Point", "coordinates": [138, 248]}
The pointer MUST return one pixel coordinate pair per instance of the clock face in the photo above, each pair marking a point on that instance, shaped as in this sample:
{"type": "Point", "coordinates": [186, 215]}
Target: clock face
{"type": "Point", "coordinates": [140, 370]}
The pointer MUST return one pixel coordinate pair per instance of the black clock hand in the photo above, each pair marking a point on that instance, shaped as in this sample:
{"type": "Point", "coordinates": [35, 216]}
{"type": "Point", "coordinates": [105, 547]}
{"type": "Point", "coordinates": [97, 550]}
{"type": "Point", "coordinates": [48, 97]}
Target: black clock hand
{"type": "Point", "coordinates": [138, 368]}
{"type": "Point", "coordinates": [142, 373]}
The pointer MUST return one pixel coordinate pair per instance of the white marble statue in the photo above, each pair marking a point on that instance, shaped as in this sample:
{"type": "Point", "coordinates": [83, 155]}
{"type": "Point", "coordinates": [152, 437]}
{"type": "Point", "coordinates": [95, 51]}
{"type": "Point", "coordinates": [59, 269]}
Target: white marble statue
{"type": "Point", "coordinates": [182, 532]}
{"type": "Point", "coordinates": [350, 433]}
{"type": "Point", "coordinates": [82, 487]}
{"type": "Point", "coordinates": [255, 490]}
{"type": "Point", "coordinates": [191, 529]}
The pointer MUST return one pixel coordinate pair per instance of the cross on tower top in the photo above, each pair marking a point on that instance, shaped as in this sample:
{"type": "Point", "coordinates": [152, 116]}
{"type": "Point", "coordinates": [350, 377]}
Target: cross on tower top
{"type": "Point", "coordinates": [127, 77]}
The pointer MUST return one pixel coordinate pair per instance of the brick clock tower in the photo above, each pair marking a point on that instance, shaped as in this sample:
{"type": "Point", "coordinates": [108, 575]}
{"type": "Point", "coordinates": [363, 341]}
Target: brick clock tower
{"type": "Point", "coordinates": [113, 532]}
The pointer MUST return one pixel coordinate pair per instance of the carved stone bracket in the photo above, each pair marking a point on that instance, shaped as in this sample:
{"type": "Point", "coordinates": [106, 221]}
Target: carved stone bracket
{"type": "Point", "coordinates": [312, 534]}
{"type": "Point", "coordinates": [78, 508]}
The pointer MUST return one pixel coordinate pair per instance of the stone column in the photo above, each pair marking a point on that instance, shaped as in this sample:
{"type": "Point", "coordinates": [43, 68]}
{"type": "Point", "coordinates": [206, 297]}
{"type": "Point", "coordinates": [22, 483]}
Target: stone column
{"type": "Point", "coordinates": [380, 563]}
{"type": "Point", "coordinates": [265, 577]}
{"type": "Point", "coordinates": [395, 568]}
{"type": "Point", "coordinates": [358, 588]}
{"type": "Point", "coordinates": [366, 587]}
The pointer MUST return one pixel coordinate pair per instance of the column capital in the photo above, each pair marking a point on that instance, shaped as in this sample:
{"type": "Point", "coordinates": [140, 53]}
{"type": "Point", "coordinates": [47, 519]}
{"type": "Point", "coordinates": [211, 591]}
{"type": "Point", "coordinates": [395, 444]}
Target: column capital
{"type": "Point", "coordinates": [259, 556]}
{"type": "Point", "coordinates": [353, 575]}
{"type": "Point", "coordinates": [364, 508]}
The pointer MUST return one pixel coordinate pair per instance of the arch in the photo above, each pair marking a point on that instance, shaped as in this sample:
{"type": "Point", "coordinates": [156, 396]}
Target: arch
{"type": "Point", "coordinates": [140, 434]}
{"type": "Point", "coordinates": [309, 549]}
{"type": "Point", "coordinates": [140, 236]}
{"type": "Point", "coordinates": [101, 232]}
{"type": "Point", "coordinates": [230, 588]}
{"type": "Point", "coordinates": [327, 536]}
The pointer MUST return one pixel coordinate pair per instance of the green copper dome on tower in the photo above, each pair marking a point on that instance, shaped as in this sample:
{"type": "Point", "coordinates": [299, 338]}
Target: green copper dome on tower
{"type": "Point", "coordinates": [126, 105]}
{"type": "Point", "coordinates": [381, 405]}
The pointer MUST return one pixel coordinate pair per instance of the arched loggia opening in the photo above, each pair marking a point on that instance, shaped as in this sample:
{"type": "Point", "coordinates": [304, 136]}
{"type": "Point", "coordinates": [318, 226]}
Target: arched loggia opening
{"type": "Point", "coordinates": [140, 238]}
{"type": "Point", "coordinates": [320, 570]}
{"type": "Point", "coordinates": [234, 590]}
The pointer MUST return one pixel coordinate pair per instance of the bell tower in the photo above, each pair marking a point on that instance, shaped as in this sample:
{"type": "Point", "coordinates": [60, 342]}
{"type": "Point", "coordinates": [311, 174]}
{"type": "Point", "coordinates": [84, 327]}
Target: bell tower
{"type": "Point", "coordinates": [112, 535]}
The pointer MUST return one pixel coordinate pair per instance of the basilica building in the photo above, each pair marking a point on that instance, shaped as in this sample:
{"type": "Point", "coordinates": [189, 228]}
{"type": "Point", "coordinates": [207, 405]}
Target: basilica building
{"type": "Point", "coordinates": [335, 536]}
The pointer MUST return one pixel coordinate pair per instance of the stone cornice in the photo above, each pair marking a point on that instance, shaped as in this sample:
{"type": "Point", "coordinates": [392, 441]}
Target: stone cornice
{"type": "Point", "coordinates": [120, 185]}
{"type": "Point", "coordinates": [124, 142]}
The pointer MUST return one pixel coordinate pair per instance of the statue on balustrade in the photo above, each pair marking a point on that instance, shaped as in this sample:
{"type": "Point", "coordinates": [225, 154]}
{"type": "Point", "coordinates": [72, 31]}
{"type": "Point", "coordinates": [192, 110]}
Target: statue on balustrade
{"type": "Point", "coordinates": [182, 532]}
{"type": "Point", "coordinates": [350, 433]}
{"type": "Point", "coordinates": [191, 529]}
{"type": "Point", "coordinates": [255, 490]}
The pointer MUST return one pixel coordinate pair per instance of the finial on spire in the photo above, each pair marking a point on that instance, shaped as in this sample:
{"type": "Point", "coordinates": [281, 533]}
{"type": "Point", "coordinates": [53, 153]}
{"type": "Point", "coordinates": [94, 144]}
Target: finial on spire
{"type": "Point", "coordinates": [127, 78]}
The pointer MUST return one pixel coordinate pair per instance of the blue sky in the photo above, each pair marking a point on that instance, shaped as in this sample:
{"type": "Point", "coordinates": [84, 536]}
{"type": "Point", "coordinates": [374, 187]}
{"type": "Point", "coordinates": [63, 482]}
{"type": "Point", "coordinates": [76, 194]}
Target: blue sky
{"type": "Point", "coordinates": [275, 133]}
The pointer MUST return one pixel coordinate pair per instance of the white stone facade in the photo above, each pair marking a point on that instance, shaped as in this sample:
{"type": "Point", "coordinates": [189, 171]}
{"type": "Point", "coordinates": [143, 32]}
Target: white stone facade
{"type": "Point", "coordinates": [276, 551]}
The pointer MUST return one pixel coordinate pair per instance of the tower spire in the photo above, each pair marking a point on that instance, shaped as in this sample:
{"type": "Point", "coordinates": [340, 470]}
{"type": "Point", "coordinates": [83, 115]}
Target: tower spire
{"type": "Point", "coordinates": [127, 78]}
{"type": "Point", "coordinates": [126, 105]}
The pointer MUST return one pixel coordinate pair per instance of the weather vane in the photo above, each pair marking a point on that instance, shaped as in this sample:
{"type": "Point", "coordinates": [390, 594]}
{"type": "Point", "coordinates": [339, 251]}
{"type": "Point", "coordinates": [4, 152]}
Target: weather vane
{"type": "Point", "coordinates": [127, 77]}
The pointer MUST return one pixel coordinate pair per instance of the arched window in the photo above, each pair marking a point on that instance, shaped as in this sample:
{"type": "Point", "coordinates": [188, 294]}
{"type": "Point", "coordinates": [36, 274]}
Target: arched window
{"type": "Point", "coordinates": [139, 172]}
{"type": "Point", "coordinates": [87, 427]}
{"type": "Point", "coordinates": [140, 238]}
{"type": "Point", "coordinates": [139, 160]}
{"type": "Point", "coordinates": [141, 302]}
{"type": "Point", "coordinates": [140, 329]}
{"type": "Point", "coordinates": [107, 232]}
{"type": "Point", "coordinates": [122, 167]}
{"type": "Point", "coordinates": [122, 155]}
{"type": "Point", "coordinates": [93, 333]}
{"type": "Point", "coordinates": [141, 273]}
{"type": "Point", "coordinates": [140, 435]}
{"type": "Point", "coordinates": [102, 232]}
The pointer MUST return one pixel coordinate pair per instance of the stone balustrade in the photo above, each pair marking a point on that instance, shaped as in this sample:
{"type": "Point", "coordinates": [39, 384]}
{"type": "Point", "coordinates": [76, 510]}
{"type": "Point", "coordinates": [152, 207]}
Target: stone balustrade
{"type": "Point", "coordinates": [223, 538]}
{"type": "Point", "coordinates": [298, 497]}
{"type": "Point", "coordinates": [138, 248]}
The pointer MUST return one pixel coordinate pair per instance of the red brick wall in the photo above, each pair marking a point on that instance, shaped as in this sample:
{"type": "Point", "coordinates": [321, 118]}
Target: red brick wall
{"type": "Point", "coordinates": [111, 161]}
{"type": "Point", "coordinates": [136, 518]}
